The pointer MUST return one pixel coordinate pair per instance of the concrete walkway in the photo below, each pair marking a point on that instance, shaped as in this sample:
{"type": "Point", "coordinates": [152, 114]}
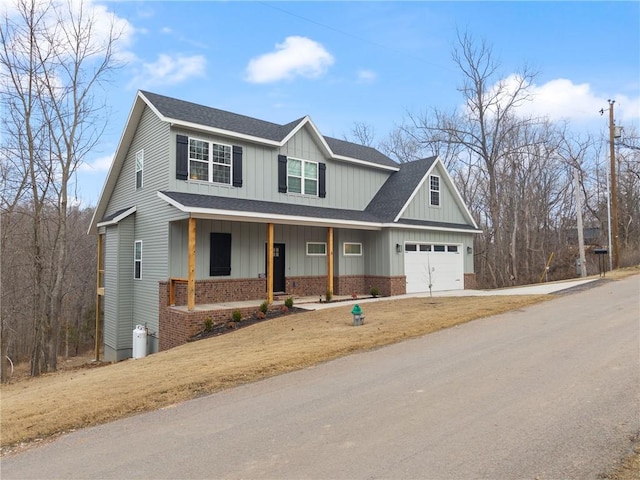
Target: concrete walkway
{"type": "Point", "coordinates": [537, 289]}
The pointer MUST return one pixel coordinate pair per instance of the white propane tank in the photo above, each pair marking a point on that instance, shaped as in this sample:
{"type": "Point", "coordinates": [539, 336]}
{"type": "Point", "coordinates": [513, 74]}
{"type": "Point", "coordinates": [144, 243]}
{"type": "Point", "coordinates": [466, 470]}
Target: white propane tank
{"type": "Point", "coordinates": [139, 342]}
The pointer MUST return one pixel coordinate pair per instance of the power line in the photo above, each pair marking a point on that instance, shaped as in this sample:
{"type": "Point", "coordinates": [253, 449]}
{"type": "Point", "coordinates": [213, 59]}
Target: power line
{"type": "Point", "coordinates": [355, 37]}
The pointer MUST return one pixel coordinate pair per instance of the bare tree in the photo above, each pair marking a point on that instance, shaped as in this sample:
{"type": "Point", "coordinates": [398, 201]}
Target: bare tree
{"type": "Point", "coordinates": [485, 130]}
{"type": "Point", "coordinates": [362, 133]}
{"type": "Point", "coordinates": [402, 145]}
{"type": "Point", "coordinates": [53, 59]}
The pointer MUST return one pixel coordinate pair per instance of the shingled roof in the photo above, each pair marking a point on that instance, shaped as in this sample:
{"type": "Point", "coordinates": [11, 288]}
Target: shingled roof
{"type": "Point", "coordinates": [396, 191]}
{"type": "Point", "coordinates": [184, 111]}
{"type": "Point", "coordinates": [261, 207]}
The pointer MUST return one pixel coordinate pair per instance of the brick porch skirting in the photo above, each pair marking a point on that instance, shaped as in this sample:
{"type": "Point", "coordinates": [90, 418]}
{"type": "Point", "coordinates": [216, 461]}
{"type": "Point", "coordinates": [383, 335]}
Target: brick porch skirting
{"type": "Point", "coordinates": [177, 326]}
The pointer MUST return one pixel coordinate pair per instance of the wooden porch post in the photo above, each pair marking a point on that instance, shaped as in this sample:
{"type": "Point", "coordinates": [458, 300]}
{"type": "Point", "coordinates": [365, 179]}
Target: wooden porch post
{"type": "Point", "coordinates": [99, 294]}
{"type": "Point", "coordinates": [330, 259]}
{"type": "Point", "coordinates": [191, 278]}
{"type": "Point", "coordinates": [270, 263]}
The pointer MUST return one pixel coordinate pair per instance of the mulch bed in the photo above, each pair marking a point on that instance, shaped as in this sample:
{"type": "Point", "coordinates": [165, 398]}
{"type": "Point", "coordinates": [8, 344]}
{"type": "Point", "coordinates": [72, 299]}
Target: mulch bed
{"type": "Point", "coordinates": [228, 327]}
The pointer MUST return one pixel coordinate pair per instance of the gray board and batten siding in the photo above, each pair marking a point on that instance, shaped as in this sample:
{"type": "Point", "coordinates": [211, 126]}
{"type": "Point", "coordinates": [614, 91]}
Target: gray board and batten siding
{"type": "Point", "coordinates": [150, 226]}
{"type": "Point", "coordinates": [349, 186]}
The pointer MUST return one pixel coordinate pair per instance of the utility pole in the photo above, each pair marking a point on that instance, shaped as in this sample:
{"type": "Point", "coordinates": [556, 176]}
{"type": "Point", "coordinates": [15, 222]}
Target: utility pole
{"type": "Point", "coordinates": [583, 260]}
{"type": "Point", "coordinates": [614, 194]}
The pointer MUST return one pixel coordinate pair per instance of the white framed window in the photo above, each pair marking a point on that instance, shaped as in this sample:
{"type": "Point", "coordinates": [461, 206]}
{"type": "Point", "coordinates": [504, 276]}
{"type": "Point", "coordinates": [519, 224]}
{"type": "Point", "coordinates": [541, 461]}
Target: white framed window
{"type": "Point", "coordinates": [137, 260]}
{"type": "Point", "coordinates": [352, 249]}
{"type": "Point", "coordinates": [209, 161]}
{"type": "Point", "coordinates": [302, 177]}
{"type": "Point", "coordinates": [139, 168]}
{"type": "Point", "coordinates": [316, 249]}
{"type": "Point", "coordinates": [434, 190]}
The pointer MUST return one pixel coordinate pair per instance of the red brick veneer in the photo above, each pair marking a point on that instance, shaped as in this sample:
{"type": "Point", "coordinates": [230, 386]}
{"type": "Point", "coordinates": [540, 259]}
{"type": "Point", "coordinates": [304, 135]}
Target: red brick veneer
{"type": "Point", "coordinates": [470, 282]}
{"type": "Point", "coordinates": [177, 326]}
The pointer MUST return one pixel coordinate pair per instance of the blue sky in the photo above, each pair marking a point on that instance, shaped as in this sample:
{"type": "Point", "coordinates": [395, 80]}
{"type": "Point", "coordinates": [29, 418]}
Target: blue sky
{"type": "Point", "coordinates": [346, 62]}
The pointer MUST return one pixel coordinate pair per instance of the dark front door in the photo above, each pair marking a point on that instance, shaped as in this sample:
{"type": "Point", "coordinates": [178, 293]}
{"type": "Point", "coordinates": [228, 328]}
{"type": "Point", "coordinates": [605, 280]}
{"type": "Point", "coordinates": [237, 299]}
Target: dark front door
{"type": "Point", "coordinates": [278, 267]}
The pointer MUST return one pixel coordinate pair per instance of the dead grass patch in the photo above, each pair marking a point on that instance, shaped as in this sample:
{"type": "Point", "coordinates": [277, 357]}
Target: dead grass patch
{"type": "Point", "coordinates": [40, 407]}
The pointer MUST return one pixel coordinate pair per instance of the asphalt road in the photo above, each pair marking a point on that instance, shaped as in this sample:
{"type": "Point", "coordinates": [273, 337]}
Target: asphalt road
{"type": "Point", "coordinates": [550, 391]}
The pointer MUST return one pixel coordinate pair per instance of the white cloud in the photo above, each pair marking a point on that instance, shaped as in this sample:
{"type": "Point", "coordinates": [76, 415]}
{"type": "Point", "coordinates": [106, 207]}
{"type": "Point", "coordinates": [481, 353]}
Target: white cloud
{"type": "Point", "coordinates": [296, 56]}
{"type": "Point", "coordinates": [561, 99]}
{"type": "Point", "coordinates": [367, 76]}
{"type": "Point", "coordinates": [99, 165]}
{"type": "Point", "coordinates": [166, 30]}
{"type": "Point", "coordinates": [168, 70]}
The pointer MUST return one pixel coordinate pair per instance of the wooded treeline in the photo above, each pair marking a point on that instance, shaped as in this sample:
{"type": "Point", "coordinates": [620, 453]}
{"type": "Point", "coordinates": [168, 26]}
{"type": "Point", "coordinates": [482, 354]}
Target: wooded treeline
{"type": "Point", "coordinates": [518, 174]}
{"type": "Point", "coordinates": [22, 282]}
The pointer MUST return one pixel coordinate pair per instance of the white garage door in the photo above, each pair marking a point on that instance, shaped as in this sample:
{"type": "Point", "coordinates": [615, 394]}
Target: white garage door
{"type": "Point", "coordinates": [440, 265]}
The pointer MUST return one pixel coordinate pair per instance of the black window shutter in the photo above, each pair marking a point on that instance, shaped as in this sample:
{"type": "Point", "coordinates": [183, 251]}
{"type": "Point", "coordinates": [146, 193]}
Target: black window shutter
{"type": "Point", "coordinates": [220, 255]}
{"type": "Point", "coordinates": [237, 166]}
{"type": "Point", "coordinates": [322, 180]}
{"type": "Point", "coordinates": [182, 157]}
{"type": "Point", "coordinates": [282, 173]}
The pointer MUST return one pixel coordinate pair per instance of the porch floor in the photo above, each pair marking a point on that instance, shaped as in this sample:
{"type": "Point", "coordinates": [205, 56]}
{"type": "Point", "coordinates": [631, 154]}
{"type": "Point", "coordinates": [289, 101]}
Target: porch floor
{"type": "Point", "coordinates": [308, 303]}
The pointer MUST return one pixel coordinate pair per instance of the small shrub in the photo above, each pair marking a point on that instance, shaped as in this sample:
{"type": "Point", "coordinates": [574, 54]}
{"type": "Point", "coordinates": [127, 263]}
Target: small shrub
{"type": "Point", "coordinates": [288, 302]}
{"type": "Point", "coordinates": [374, 292]}
{"type": "Point", "coordinates": [328, 295]}
{"type": "Point", "coordinates": [236, 316]}
{"type": "Point", "coordinates": [208, 324]}
{"type": "Point", "coordinates": [264, 307]}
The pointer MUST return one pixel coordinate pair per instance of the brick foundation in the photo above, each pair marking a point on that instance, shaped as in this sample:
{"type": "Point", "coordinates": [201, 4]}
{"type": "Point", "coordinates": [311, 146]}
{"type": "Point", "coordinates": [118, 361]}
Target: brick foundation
{"type": "Point", "coordinates": [307, 286]}
{"type": "Point", "coordinates": [470, 281]}
{"type": "Point", "coordinates": [176, 326]}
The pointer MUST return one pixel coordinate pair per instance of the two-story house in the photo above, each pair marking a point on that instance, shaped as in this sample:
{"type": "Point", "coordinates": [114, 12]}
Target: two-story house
{"type": "Point", "coordinates": [203, 206]}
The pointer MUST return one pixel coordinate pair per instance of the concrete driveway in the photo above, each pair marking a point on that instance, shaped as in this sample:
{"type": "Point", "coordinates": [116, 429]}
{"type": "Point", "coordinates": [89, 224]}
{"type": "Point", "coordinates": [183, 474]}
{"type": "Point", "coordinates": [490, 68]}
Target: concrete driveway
{"type": "Point", "coordinates": [538, 289]}
{"type": "Point", "coordinates": [549, 391]}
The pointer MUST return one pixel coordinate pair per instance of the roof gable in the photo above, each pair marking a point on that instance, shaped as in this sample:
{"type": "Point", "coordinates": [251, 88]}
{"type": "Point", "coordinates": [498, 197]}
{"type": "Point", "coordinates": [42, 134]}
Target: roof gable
{"type": "Point", "coordinates": [399, 188]}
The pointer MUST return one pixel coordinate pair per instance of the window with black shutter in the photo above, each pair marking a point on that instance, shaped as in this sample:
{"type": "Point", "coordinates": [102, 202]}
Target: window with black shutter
{"type": "Point", "coordinates": [322, 180]}
{"type": "Point", "coordinates": [182, 157]}
{"type": "Point", "coordinates": [282, 173]}
{"type": "Point", "coordinates": [220, 257]}
{"type": "Point", "coordinates": [237, 166]}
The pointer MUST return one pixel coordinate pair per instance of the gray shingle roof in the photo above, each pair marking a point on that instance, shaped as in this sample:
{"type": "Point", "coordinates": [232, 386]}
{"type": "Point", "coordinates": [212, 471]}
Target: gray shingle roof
{"type": "Point", "coordinates": [263, 208]}
{"type": "Point", "coordinates": [395, 192]}
{"type": "Point", "coordinates": [233, 122]}
{"type": "Point", "coordinates": [108, 218]}
{"type": "Point", "coordinates": [268, 208]}
{"type": "Point", "coordinates": [353, 150]}
{"type": "Point", "coordinates": [212, 117]}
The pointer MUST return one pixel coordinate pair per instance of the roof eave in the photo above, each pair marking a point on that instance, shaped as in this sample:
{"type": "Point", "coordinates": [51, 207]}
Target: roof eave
{"type": "Point", "coordinates": [201, 212]}
{"type": "Point", "coordinates": [114, 170]}
{"type": "Point", "coordinates": [475, 231]}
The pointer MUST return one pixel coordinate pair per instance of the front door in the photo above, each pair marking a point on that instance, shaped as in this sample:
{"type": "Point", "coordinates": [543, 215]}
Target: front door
{"type": "Point", "coordinates": [278, 267]}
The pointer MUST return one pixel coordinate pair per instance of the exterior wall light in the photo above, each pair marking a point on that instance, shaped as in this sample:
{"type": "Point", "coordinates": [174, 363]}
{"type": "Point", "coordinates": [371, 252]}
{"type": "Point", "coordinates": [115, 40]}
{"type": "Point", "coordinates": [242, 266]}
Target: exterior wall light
{"type": "Point", "coordinates": [398, 248]}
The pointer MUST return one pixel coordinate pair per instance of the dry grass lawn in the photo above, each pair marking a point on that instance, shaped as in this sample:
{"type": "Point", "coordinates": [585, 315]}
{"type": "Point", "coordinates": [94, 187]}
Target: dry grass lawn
{"type": "Point", "coordinates": [39, 407]}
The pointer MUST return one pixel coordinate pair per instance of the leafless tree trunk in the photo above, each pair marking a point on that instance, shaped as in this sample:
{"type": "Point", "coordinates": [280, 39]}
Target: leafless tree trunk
{"type": "Point", "coordinates": [53, 58]}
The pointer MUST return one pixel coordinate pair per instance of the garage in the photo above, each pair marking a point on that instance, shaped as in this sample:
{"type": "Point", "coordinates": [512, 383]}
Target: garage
{"type": "Point", "coordinates": [440, 265]}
